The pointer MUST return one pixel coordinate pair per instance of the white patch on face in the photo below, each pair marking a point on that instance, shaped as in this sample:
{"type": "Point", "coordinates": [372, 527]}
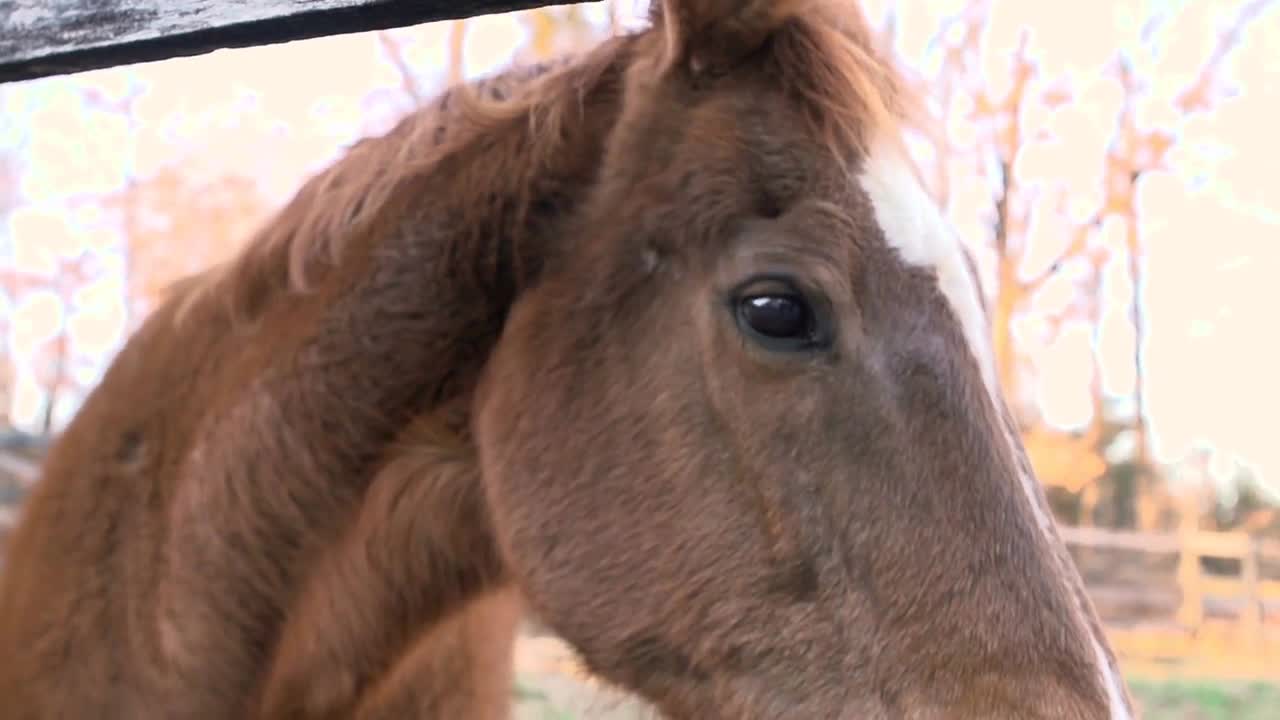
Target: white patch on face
{"type": "Point", "coordinates": [913, 224]}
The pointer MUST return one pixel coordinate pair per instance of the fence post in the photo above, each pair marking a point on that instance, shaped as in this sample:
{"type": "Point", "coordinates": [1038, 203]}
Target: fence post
{"type": "Point", "coordinates": [1191, 610]}
{"type": "Point", "coordinates": [1251, 578]}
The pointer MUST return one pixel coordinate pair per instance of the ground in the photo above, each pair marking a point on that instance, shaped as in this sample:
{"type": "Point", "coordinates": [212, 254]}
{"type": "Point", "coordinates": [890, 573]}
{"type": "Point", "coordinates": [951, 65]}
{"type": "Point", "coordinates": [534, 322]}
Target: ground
{"type": "Point", "coordinates": [550, 688]}
{"type": "Point", "coordinates": [557, 697]}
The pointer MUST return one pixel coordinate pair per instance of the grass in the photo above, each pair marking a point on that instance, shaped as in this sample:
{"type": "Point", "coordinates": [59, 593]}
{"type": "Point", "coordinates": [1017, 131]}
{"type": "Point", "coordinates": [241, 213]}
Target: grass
{"type": "Point", "coordinates": [1206, 699]}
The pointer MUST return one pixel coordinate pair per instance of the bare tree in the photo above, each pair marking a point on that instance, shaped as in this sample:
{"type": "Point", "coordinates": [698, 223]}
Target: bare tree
{"type": "Point", "coordinates": [127, 200]}
{"type": "Point", "coordinates": [10, 197]}
{"type": "Point", "coordinates": [1071, 460]}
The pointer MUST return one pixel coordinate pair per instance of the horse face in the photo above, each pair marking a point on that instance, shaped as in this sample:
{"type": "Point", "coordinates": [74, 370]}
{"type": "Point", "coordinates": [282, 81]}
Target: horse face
{"type": "Point", "coordinates": [743, 445]}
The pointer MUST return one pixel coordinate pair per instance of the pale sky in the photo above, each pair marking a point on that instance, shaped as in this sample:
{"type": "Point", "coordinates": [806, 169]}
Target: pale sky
{"type": "Point", "coordinates": [1211, 225]}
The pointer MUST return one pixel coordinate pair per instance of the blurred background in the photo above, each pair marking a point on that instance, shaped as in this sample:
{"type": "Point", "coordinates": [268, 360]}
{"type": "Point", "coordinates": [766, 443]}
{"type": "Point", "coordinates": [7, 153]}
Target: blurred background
{"type": "Point", "coordinates": [1111, 164]}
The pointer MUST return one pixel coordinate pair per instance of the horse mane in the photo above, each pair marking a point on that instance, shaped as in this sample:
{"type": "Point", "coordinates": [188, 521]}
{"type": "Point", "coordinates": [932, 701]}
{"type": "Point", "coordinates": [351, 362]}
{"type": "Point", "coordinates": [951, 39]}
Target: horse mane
{"type": "Point", "coordinates": [337, 205]}
{"type": "Point", "coordinates": [824, 53]}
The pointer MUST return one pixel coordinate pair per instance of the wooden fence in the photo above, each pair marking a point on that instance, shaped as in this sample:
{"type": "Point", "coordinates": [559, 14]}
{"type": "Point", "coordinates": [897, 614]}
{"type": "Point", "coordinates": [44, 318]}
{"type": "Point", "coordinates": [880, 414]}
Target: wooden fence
{"type": "Point", "coordinates": [1256, 598]}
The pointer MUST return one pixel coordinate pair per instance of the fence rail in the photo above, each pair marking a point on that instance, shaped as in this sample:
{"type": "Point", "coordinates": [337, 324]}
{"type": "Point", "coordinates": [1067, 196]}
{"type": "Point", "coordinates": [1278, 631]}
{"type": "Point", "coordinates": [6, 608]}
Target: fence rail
{"type": "Point", "coordinates": [1250, 594]}
{"type": "Point", "coordinates": [1205, 542]}
{"type": "Point", "coordinates": [51, 37]}
{"type": "Point", "coordinates": [22, 470]}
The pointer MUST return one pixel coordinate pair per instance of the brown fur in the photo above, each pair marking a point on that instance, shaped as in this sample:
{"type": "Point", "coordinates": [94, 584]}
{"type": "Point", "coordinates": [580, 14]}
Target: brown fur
{"type": "Point", "coordinates": [485, 361]}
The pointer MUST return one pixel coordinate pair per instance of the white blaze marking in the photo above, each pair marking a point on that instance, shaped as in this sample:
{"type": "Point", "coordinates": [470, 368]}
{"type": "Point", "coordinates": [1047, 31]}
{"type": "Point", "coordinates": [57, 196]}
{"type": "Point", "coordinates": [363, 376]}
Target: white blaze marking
{"type": "Point", "coordinates": [913, 224]}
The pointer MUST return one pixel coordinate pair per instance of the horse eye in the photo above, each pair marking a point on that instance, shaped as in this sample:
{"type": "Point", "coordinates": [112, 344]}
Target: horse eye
{"type": "Point", "coordinates": [781, 317]}
{"type": "Point", "coordinates": [774, 313]}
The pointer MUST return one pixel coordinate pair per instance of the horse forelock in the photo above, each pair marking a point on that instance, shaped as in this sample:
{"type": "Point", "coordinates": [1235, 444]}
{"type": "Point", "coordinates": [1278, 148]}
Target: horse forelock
{"type": "Point", "coordinates": [828, 56]}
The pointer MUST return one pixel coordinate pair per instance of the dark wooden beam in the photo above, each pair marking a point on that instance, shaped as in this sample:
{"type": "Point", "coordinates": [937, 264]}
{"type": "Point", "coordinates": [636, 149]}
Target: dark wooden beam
{"type": "Point", "coordinates": [39, 38]}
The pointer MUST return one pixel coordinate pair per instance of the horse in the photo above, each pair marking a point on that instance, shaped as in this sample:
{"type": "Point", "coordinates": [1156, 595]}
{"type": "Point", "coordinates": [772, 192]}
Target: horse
{"type": "Point", "coordinates": [665, 345]}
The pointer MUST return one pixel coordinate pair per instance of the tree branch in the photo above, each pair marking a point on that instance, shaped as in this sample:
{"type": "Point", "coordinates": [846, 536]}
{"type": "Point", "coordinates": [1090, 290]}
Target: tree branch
{"type": "Point", "coordinates": [1198, 95]}
{"type": "Point", "coordinates": [1076, 247]}
{"type": "Point", "coordinates": [457, 48]}
{"type": "Point", "coordinates": [409, 83]}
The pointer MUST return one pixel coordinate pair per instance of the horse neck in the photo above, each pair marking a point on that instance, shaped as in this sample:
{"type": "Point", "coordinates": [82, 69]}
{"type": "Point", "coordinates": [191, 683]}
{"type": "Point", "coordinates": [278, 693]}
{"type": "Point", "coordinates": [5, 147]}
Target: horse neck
{"type": "Point", "coordinates": [303, 395]}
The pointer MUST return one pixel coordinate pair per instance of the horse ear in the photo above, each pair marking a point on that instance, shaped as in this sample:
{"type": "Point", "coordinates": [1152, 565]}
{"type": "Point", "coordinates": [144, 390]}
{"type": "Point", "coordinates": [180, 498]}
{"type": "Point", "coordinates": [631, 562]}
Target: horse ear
{"type": "Point", "coordinates": [705, 35]}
